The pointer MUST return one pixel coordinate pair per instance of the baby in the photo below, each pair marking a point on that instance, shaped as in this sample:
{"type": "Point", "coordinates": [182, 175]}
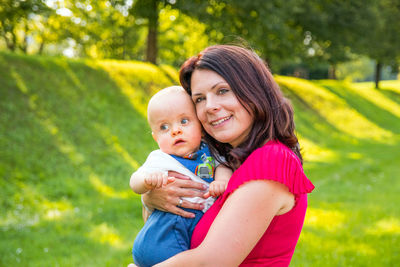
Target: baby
{"type": "Point", "coordinates": [178, 132]}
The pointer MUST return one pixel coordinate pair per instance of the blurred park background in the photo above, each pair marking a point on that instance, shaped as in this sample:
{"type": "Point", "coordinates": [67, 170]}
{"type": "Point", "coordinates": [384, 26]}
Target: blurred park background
{"type": "Point", "coordinates": [75, 78]}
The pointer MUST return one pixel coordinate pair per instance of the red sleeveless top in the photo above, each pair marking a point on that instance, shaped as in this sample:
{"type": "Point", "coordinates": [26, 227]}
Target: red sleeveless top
{"type": "Point", "coordinates": [274, 161]}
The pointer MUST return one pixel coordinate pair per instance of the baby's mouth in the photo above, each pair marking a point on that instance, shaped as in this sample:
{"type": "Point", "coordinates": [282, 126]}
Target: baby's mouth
{"type": "Point", "coordinates": [179, 141]}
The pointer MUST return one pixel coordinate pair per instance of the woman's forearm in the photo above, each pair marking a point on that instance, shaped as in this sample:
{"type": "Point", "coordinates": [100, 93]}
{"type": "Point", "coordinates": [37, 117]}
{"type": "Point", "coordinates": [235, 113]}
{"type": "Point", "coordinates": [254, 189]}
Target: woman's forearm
{"type": "Point", "coordinates": [186, 258]}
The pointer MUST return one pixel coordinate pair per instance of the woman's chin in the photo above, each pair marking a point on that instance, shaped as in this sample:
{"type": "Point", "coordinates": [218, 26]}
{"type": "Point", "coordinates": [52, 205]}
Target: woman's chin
{"type": "Point", "coordinates": [222, 138]}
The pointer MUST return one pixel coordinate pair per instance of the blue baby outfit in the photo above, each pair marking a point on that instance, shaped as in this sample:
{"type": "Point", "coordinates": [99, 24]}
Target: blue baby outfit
{"type": "Point", "coordinates": [165, 234]}
{"type": "Point", "coordinates": [195, 161]}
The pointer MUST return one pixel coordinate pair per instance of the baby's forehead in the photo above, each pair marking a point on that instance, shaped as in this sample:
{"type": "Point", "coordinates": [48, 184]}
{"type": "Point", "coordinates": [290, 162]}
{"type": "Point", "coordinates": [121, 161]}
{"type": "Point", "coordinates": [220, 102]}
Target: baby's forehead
{"type": "Point", "coordinates": [170, 99]}
{"type": "Point", "coordinates": [169, 105]}
{"type": "Point", "coordinates": [168, 94]}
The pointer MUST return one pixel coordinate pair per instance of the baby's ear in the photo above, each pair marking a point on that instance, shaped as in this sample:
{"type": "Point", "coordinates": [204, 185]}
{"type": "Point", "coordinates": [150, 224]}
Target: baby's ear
{"type": "Point", "coordinates": [154, 136]}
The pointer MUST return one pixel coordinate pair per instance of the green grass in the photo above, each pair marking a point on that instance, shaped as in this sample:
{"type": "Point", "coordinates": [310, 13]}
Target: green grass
{"type": "Point", "coordinates": [72, 132]}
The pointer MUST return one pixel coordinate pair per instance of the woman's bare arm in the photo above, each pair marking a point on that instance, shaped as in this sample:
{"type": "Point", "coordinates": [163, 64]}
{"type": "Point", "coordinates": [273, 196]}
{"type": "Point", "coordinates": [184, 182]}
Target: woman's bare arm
{"type": "Point", "coordinates": [240, 224]}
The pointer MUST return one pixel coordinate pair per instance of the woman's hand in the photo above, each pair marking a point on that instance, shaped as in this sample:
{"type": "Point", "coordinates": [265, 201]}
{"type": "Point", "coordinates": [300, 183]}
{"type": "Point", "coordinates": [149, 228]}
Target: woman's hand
{"type": "Point", "coordinates": [168, 197]}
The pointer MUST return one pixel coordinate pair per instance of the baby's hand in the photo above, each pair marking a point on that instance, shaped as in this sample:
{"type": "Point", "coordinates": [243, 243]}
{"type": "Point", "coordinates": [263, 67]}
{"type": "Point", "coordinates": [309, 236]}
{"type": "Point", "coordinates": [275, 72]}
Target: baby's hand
{"type": "Point", "coordinates": [157, 180]}
{"type": "Point", "coordinates": [216, 189]}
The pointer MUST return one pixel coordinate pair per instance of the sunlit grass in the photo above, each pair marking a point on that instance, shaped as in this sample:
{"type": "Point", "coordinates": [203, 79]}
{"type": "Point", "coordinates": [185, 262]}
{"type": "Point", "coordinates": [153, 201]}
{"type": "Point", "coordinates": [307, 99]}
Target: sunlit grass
{"type": "Point", "coordinates": [106, 190]}
{"type": "Point", "coordinates": [385, 226]}
{"type": "Point", "coordinates": [313, 152]}
{"type": "Point", "coordinates": [106, 235]}
{"type": "Point", "coordinates": [124, 72]}
{"type": "Point", "coordinates": [335, 110]}
{"type": "Point", "coordinates": [72, 132]}
{"type": "Point", "coordinates": [375, 95]}
{"type": "Point", "coordinates": [113, 141]}
{"type": "Point", "coordinates": [328, 220]}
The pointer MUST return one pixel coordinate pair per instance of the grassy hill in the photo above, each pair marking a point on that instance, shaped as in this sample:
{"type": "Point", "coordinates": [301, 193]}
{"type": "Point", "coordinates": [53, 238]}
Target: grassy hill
{"type": "Point", "coordinates": [72, 132]}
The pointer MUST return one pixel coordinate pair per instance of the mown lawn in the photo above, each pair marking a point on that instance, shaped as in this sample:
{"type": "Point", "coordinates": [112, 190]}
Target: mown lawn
{"type": "Point", "coordinates": [351, 137]}
{"type": "Point", "coordinates": [72, 131]}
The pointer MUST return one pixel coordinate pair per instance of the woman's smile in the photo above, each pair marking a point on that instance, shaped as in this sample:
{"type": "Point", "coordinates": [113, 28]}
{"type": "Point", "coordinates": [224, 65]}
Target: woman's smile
{"type": "Point", "coordinates": [219, 122]}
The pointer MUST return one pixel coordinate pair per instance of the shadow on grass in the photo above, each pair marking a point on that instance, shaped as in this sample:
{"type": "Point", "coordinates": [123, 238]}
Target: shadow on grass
{"type": "Point", "coordinates": [309, 122]}
{"type": "Point", "coordinates": [391, 93]}
{"type": "Point", "coordinates": [369, 110]}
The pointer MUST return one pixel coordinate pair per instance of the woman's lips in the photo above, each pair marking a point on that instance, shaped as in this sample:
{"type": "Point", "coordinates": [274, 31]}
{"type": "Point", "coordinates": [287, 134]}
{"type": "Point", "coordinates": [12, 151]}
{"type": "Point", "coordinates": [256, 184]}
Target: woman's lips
{"type": "Point", "coordinates": [220, 121]}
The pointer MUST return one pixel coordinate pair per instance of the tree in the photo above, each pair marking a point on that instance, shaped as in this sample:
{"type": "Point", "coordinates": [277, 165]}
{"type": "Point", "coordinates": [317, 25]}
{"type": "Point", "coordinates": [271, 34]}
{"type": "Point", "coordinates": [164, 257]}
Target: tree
{"type": "Point", "coordinates": [104, 29]}
{"type": "Point", "coordinates": [338, 29]}
{"type": "Point", "coordinates": [267, 26]}
{"type": "Point", "coordinates": [149, 9]}
{"type": "Point", "coordinates": [180, 37]}
{"type": "Point", "coordinates": [333, 28]}
{"type": "Point", "coordinates": [383, 39]}
{"type": "Point", "coordinates": [15, 21]}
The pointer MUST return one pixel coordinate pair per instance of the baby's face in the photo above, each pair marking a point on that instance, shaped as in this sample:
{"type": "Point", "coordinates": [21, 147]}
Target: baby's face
{"type": "Point", "coordinates": [175, 126]}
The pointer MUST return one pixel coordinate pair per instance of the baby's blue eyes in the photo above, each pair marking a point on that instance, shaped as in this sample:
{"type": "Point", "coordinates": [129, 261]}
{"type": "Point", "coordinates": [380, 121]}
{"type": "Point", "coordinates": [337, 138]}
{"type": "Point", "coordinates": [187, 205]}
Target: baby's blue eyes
{"type": "Point", "coordinates": [165, 127]}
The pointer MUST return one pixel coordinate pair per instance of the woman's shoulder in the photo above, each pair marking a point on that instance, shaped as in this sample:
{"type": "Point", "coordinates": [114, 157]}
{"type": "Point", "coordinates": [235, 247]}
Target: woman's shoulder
{"type": "Point", "coordinates": [275, 161]}
{"type": "Point", "coordinates": [274, 151]}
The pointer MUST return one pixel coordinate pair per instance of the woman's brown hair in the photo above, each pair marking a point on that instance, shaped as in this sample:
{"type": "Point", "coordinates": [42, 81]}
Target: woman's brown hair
{"type": "Point", "coordinates": [254, 86]}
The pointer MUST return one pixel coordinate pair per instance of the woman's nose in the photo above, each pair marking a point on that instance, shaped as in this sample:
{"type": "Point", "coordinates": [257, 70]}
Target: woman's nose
{"type": "Point", "coordinates": [212, 105]}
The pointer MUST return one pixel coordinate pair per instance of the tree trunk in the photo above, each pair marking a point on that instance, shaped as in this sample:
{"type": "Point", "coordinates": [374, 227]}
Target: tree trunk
{"type": "Point", "coordinates": [332, 72]}
{"type": "Point", "coordinates": [41, 47]}
{"type": "Point", "coordinates": [12, 44]}
{"type": "Point", "coordinates": [151, 53]}
{"type": "Point", "coordinates": [378, 71]}
{"type": "Point", "coordinates": [11, 41]}
{"type": "Point", "coordinates": [23, 45]}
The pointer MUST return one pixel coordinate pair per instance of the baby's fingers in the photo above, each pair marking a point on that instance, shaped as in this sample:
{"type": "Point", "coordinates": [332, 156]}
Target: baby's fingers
{"type": "Point", "coordinates": [207, 195]}
{"type": "Point", "coordinates": [160, 181]}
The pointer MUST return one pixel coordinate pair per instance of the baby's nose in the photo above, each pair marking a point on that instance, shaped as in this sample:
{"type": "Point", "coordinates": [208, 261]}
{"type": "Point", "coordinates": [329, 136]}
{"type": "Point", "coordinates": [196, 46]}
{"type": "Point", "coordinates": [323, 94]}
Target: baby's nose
{"type": "Point", "coordinates": [176, 131]}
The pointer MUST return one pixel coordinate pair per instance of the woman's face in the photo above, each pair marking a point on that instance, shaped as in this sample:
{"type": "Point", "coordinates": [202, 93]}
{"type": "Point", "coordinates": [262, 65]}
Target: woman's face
{"type": "Point", "coordinates": [218, 109]}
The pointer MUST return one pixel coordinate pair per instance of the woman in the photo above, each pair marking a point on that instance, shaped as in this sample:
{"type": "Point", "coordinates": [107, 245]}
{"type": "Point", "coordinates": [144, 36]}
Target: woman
{"type": "Point", "coordinates": [258, 220]}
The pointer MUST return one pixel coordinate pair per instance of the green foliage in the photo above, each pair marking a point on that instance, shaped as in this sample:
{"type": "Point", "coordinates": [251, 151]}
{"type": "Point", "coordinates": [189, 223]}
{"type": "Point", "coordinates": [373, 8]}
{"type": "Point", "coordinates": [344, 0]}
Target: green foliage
{"type": "Point", "coordinates": [285, 33]}
{"type": "Point", "coordinates": [384, 33]}
{"type": "Point", "coordinates": [72, 132]}
{"type": "Point", "coordinates": [267, 26]}
{"type": "Point", "coordinates": [359, 69]}
{"type": "Point", "coordinates": [336, 30]}
{"type": "Point", "coordinates": [17, 22]}
{"type": "Point", "coordinates": [180, 37]}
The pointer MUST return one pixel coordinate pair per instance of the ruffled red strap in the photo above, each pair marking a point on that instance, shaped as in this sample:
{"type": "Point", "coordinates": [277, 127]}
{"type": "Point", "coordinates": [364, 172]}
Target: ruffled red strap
{"type": "Point", "coordinates": [274, 161]}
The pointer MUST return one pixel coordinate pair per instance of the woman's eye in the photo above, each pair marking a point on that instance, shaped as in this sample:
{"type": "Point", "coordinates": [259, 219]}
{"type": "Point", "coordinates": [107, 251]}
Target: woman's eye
{"type": "Point", "coordinates": [198, 100]}
{"type": "Point", "coordinates": [223, 91]}
{"type": "Point", "coordinates": [184, 121]}
{"type": "Point", "coordinates": [164, 127]}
